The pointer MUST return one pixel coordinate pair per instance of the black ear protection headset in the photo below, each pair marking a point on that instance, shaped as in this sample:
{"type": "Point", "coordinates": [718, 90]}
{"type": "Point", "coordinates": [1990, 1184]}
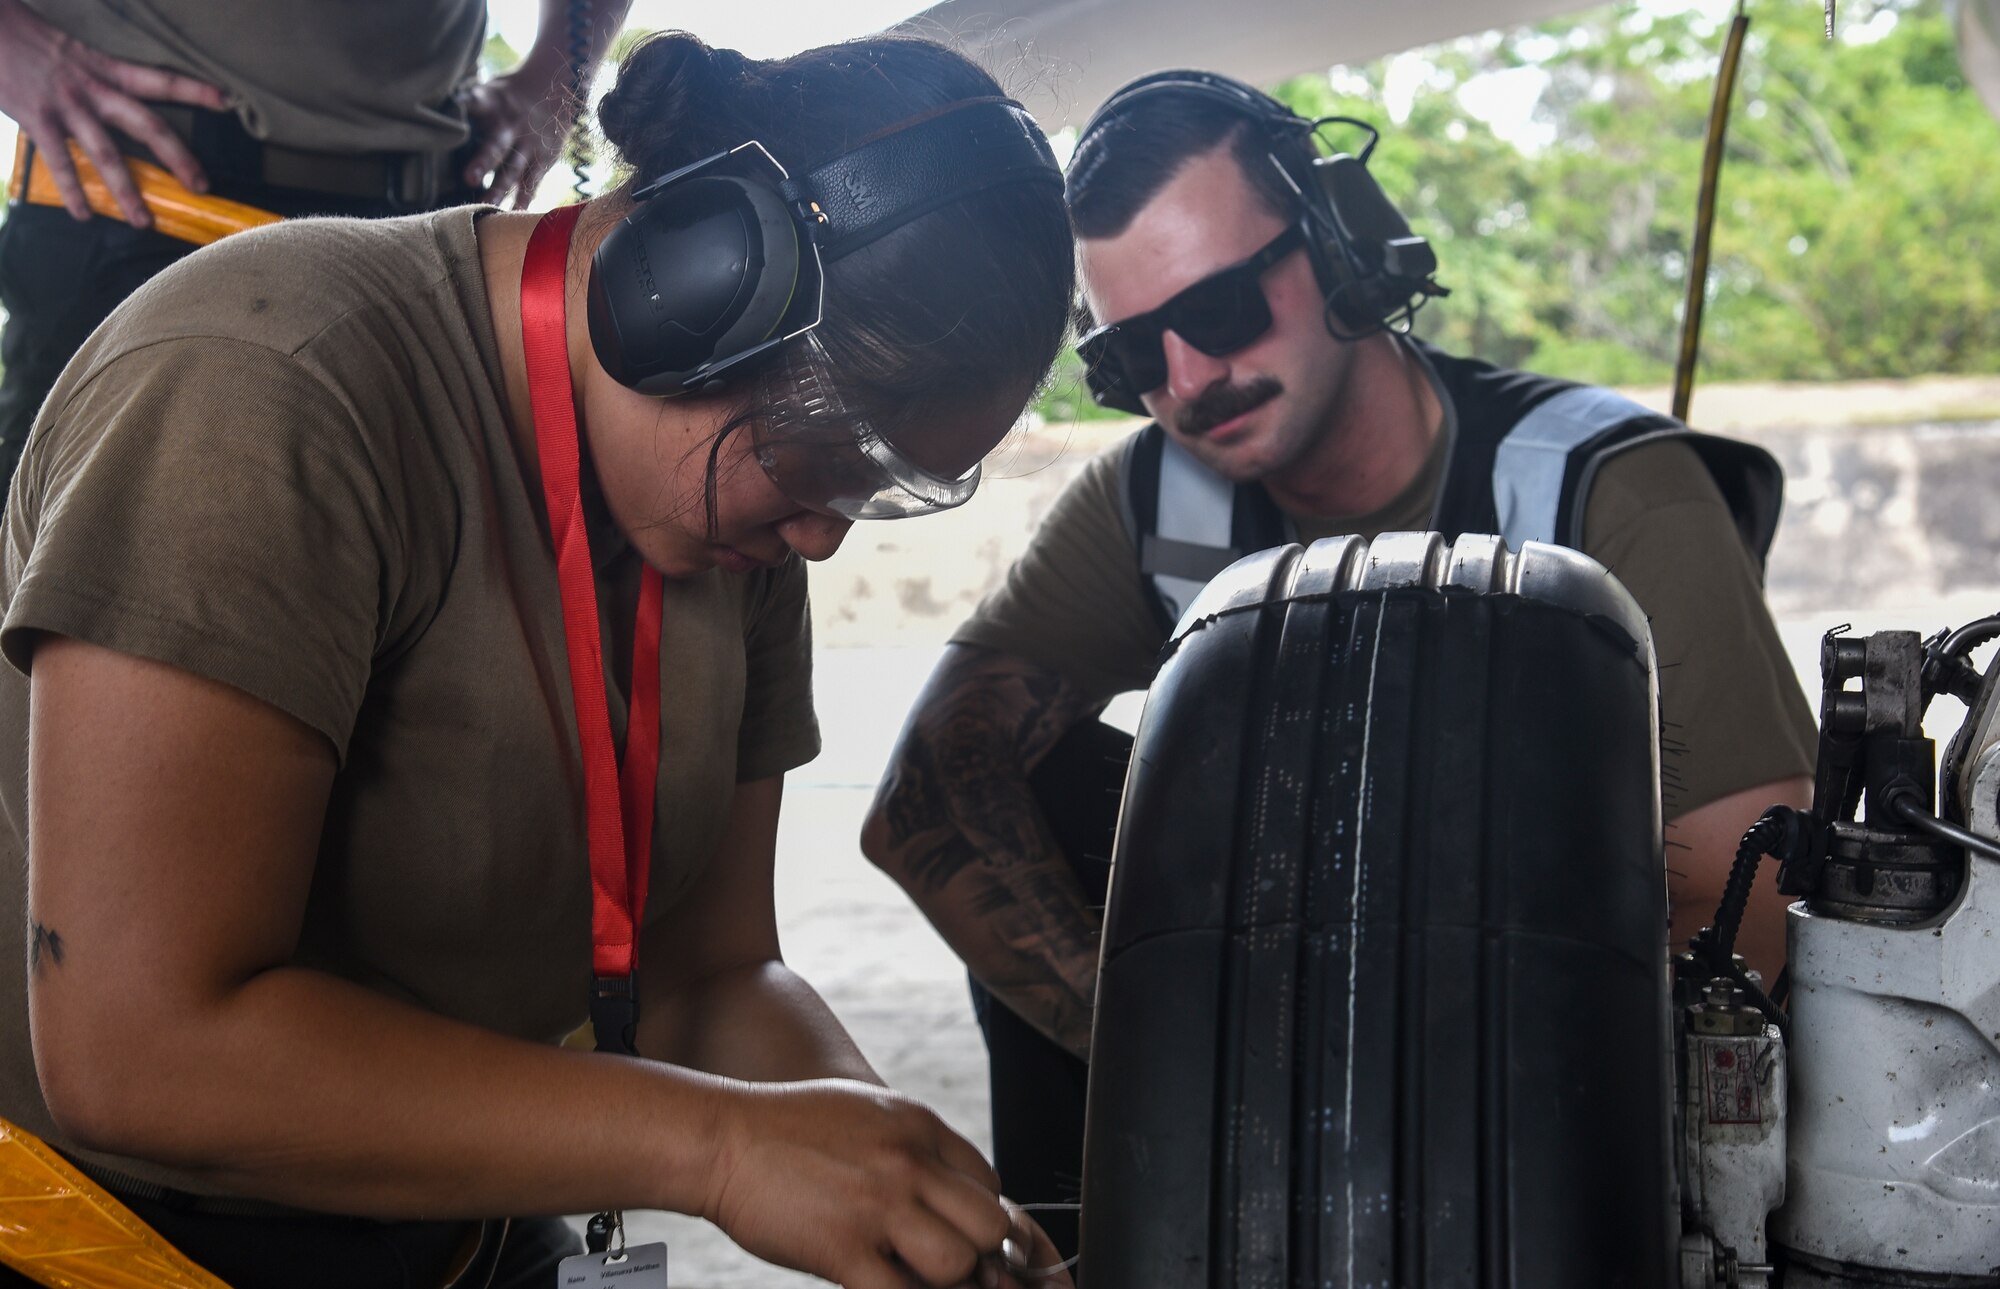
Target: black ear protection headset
{"type": "Point", "coordinates": [721, 262]}
{"type": "Point", "coordinates": [1374, 272]}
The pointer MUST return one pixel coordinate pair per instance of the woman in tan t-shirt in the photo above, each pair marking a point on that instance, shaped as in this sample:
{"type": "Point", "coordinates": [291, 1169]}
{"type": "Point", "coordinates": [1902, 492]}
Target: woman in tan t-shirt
{"type": "Point", "coordinates": [303, 811]}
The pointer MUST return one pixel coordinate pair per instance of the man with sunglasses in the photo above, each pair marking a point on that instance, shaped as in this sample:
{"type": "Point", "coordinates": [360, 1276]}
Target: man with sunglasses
{"type": "Point", "coordinates": [1254, 316]}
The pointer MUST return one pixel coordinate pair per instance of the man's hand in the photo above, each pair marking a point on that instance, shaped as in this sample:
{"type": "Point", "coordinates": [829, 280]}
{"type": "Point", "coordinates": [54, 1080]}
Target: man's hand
{"type": "Point", "coordinates": [519, 122]}
{"type": "Point", "coordinates": [57, 89]}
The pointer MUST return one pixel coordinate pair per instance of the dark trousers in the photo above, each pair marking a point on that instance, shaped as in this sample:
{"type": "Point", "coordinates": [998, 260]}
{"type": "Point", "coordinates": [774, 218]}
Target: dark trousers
{"type": "Point", "coordinates": [58, 280]}
{"type": "Point", "coordinates": [60, 277]}
{"type": "Point", "coordinates": [1037, 1087]}
{"type": "Point", "coordinates": [313, 1252]}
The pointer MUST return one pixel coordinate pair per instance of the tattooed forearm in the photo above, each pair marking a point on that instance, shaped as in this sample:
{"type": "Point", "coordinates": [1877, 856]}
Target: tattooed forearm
{"type": "Point", "coordinates": [935, 864]}
{"type": "Point", "coordinates": [957, 824]}
{"type": "Point", "coordinates": [982, 723]}
{"type": "Point", "coordinates": [45, 944]}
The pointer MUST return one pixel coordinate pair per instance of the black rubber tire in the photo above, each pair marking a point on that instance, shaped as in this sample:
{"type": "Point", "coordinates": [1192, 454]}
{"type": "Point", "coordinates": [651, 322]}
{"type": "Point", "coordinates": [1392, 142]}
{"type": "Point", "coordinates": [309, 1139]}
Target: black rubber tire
{"type": "Point", "coordinates": [1383, 999]}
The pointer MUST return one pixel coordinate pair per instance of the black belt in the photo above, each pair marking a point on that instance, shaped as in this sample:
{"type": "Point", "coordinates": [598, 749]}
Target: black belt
{"type": "Point", "coordinates": [473, 1268]}
{"type": "Point", "coordinates": [230, 153]}
{"type": "Point", "coordinates": [126, 1186]}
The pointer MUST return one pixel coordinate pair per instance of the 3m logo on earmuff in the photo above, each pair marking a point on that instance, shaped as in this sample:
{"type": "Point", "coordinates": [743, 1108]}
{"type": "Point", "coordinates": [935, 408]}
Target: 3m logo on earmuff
{"type": "Point", "coordinates": [857, 190]}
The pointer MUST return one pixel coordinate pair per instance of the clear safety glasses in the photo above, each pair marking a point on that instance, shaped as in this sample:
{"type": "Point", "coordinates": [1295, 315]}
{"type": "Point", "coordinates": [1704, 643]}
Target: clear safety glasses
{"type": "Point", "coordinates": [829, 460]}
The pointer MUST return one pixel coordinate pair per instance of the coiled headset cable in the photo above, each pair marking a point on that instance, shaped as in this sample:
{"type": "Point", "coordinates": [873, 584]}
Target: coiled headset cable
{"type": "Point", "coordinates": [581, 154]}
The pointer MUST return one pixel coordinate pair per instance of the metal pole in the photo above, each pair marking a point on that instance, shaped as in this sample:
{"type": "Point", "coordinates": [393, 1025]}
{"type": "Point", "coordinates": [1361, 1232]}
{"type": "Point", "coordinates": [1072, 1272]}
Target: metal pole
{"type": "Point", "coordinates": [1704, 230]}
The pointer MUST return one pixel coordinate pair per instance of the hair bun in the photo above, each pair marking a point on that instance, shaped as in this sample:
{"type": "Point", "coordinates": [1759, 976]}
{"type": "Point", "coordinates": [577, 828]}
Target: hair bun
{"type": "Point", "coordinates": [669, 82]}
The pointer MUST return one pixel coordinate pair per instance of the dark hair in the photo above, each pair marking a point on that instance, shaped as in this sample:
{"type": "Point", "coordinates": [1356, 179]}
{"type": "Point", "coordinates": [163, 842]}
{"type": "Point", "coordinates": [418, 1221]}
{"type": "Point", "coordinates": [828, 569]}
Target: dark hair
{"type": "Point", "coordinates": [1122, 165]}
{"type": "Point", "coordinates": [955, 309]}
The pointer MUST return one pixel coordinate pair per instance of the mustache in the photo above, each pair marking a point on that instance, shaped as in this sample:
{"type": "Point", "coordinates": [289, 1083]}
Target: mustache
{"type": "Point", "coordinates": [1219, 403]}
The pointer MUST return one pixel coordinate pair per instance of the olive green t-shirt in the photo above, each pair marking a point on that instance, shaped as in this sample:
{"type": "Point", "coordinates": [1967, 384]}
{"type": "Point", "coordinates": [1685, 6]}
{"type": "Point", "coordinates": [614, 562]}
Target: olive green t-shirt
{"type": "Point", "coordinates": [284, 465]}
{"type": "Point", "coordinates": [1732, 714]}
{"type": "Point", "coordinates": [331, 75]}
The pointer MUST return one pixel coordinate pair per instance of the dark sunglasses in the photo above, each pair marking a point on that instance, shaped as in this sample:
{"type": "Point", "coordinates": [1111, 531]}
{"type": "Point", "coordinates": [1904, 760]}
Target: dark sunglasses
{"type": "Point", "coordinates": [1218, 315]}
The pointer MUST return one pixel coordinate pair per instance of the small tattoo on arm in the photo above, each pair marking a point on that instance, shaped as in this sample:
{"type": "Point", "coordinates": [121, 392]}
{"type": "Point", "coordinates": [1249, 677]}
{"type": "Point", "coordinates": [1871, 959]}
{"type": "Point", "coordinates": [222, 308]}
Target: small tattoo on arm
{"type": "Point", "coordinates": [44, 943]}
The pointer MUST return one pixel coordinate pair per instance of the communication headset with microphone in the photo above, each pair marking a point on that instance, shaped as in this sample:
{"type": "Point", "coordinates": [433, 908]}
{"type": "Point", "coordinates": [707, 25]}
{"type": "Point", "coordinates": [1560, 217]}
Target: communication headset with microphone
{"type": "Point", "coordinates": [1374, 272]}
{"type": "Point", "coordinates": [721, 262]}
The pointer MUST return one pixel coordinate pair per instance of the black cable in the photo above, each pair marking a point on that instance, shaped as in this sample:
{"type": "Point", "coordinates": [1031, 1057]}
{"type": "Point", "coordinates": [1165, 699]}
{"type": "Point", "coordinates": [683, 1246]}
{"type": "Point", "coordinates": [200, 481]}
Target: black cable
{"type": "Point", "coordinates": [1970, 637]}
{"type": "Point", "coordinates": [580, 151]}
{"type": "Point", "coordinates": [1761, 1000]}
{"type": "Point", "coordinates": [1946, 670]}
{"type": "Point", "coordinates": [1904, 806]}
{"type": "Point", "coordinates": [1768, 836]}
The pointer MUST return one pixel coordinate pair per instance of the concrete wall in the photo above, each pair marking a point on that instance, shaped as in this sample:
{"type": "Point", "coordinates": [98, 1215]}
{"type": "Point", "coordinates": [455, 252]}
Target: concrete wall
{"type": "Point", "coordinates": [1880, 515]}
{"type": "Point", "coordinates": [1876, 516]}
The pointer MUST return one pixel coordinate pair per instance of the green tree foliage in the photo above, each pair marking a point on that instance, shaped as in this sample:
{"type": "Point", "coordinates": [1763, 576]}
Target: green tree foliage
{"type": "Point", "coordinates": [1855, 230]}
{"type": "Point", "coordinates": [497, 57]}
{"type": "Point", "coordinates": [1858, 227]}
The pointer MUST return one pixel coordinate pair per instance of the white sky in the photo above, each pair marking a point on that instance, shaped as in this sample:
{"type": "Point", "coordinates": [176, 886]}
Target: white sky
{"type": "Point", "coordinates": [762, 28]}
{"type": "Point", "coordinates": [759, 28]}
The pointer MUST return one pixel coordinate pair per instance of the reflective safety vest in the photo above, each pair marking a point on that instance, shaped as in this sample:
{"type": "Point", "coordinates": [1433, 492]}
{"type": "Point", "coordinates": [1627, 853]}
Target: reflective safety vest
{"type": "Point", "coordinates": [59, 1228]}
{"type": "Point", "coordinates": [1525, 478]}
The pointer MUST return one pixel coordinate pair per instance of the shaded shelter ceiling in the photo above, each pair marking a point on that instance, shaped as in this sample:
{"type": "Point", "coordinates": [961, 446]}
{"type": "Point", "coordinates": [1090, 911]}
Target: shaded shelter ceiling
{"type": "Point", "coordinates": [1063, 57]}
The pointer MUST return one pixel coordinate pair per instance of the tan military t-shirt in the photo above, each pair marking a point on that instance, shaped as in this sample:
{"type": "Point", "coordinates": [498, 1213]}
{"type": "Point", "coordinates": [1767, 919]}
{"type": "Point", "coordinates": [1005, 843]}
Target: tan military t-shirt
{"type": "Point", "coordinates": [1732, 715]}
{"type": "Point", "coordinates": [283, 465]}
{"type": "Point", "coordinates": [332, 75]}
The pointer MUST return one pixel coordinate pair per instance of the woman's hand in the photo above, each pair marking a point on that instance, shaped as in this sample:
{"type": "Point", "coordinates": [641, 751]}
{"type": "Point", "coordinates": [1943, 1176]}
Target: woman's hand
{"type": "Point", "coordinates": [57, 89]}
{"type": "Point", "coordinates": [856, 1184]}
{"type": "Point", "coordinates": [1028, 1260]}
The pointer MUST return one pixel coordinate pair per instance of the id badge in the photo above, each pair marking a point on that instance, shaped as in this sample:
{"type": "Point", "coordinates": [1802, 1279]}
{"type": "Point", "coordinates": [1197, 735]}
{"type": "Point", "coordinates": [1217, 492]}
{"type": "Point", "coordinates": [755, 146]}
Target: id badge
{"type": "Point", "coordinates": [639, 1266]}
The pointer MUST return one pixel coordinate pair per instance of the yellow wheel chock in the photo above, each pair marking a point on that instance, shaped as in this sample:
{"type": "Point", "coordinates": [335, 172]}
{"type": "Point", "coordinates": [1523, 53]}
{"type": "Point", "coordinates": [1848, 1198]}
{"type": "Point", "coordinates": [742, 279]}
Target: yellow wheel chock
{"type": "Point", "coordinates": [60, 1229]}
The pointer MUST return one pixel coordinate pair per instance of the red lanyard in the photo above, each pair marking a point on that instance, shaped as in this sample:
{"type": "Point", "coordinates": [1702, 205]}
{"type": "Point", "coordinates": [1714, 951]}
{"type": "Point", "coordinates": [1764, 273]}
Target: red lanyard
{"type": "Point", "coordinates": [618, 798]}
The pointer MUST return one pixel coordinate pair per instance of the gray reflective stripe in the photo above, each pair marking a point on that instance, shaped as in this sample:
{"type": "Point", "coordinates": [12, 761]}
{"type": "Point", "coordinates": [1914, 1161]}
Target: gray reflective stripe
{"type": "Point", "coordinates": [1196, 512]}
{"type": "Point", "coordinates": [1528, 469]}
{"type": "Point", "coordinates": [1197, 505]}
{"type": "Point", "coordinates": [1164, 557]}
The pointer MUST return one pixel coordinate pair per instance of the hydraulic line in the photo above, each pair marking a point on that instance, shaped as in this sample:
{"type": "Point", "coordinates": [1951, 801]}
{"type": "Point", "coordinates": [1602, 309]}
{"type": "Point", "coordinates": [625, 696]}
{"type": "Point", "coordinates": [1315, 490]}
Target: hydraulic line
{"type": "Point", "coordinates": [1912, 813]}
{"type": "Point", "coordinates": [1970, 637]}
{"type": "Point", "coordinates": [1704, 228]}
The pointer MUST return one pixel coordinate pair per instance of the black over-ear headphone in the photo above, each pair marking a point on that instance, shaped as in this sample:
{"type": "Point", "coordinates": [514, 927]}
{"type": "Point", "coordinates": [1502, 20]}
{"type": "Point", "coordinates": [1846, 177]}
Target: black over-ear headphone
{"type": "Point", "coordinates": [722, 261]}
{"type": "Point", "coordinates": [1375, 272]}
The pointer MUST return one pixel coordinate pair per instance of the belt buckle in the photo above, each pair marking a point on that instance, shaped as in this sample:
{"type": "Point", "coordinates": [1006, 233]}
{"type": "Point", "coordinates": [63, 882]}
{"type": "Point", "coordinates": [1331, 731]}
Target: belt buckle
{"type": "Point", "coordinates": [411, 180]}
